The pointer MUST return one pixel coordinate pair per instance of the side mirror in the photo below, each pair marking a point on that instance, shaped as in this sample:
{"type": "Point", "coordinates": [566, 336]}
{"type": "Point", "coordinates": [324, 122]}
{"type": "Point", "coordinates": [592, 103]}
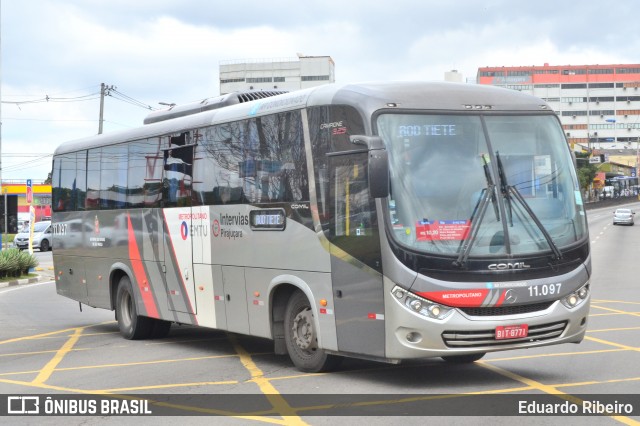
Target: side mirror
{"type": "Point", "coordinates": [377, 165]}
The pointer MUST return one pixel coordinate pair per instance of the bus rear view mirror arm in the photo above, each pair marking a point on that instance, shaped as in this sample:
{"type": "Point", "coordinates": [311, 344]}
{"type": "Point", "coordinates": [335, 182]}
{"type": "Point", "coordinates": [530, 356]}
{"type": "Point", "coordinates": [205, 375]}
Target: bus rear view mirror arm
{"type": "Point", "coordinates": [377, 166]}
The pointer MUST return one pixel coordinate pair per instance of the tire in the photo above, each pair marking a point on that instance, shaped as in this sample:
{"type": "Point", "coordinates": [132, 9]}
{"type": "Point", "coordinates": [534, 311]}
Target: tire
{"type": "Point", "coordinates": [132, 326]}
{"type": "Point", "coordinates": [463, 359]}
{"type": "Point", "coordinates": [44, 245]}
{"type": "Point", "coordinates": [301, 337]}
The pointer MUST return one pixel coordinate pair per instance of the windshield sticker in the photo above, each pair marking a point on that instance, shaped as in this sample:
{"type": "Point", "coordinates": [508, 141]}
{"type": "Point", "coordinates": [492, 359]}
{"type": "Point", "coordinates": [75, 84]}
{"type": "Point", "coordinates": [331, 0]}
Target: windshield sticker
{"type": "Point", "coordinates": [442, 230]}
{"type": "Point", "coordinates": [578, 197]}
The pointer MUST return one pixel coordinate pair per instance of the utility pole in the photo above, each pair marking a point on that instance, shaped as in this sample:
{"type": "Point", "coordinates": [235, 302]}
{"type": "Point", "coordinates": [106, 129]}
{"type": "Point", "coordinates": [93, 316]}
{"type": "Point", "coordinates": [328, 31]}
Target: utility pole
{"type": "Point", "coordinates": [104, 91]}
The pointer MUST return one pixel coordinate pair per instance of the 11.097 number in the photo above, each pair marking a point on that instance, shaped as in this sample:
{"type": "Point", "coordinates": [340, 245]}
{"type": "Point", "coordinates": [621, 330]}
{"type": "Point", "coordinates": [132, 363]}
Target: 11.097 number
{"type": "Point", "coordinates": [544, 290]}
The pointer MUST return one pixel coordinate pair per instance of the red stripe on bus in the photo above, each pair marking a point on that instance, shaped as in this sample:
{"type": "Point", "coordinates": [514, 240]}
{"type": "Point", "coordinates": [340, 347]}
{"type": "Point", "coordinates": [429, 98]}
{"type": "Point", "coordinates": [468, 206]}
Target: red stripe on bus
{"type": "Point", "coordinates": [138, 271]}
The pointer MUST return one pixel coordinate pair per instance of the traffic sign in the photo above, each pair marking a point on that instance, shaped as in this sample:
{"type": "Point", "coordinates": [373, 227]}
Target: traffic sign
{"type": "Point", "coordinates": [29, 192]}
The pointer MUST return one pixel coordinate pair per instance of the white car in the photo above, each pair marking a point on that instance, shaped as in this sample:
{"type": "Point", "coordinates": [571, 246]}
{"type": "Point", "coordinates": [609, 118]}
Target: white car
{"type": "Point", "coordinates": [623, 217]}
{"type": "Point", "coordinates": [41, 237]}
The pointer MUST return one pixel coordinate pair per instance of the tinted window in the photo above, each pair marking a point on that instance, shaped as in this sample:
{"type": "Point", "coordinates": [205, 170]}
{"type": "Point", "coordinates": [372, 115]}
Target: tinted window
{"type": "Point", "coordinates": [144, 182]}
{"type": "Point", "coordinates": [261, 160]}
{"type": "Point", "coordinates": [64, 174]}
{"type": "Point", "coordinates": [113, 177]}
{"type": "Point", "coordinates": [330, 128]}
{"type": "Point", "coordinates": [93, 179]}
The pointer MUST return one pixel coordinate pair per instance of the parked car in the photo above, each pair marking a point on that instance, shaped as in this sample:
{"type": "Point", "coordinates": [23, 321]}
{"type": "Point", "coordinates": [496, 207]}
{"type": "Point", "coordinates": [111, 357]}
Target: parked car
{"type": "Point", "coordinates": [623, 217]}
{"type": "Point", "coordinates": [41, 237]}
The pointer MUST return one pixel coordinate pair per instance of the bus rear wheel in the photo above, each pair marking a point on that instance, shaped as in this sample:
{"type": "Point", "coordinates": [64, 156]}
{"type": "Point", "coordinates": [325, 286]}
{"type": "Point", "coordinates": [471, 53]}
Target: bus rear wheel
{"type": "Point", "coordinates": [301, 337]}
{"type": "Point", "coordinates": [132, 326]}
{"type": "Point", "coordinates": [463, 359]}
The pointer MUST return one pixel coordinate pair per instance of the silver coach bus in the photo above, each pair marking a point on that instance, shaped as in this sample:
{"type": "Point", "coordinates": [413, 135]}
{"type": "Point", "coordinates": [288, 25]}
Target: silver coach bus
{"type": "Point", "coordinates": [386, 221]}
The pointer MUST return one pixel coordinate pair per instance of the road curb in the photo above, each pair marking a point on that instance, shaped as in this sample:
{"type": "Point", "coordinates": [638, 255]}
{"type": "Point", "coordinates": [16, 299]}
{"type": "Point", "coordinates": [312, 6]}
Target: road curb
{"type": "Point", "coordinates": [21, 281]}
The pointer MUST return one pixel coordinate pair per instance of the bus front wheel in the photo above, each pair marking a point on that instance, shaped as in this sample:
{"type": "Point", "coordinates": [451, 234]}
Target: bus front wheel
{"type": "Point", "coordinates": [301, 337]}
{"type": "Point", "coordinates": [132, 326]}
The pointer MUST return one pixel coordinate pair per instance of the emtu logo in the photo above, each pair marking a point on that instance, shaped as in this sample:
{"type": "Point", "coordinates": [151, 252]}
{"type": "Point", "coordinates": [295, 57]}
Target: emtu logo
{"type": "Point", "coordinates": [184, 230]}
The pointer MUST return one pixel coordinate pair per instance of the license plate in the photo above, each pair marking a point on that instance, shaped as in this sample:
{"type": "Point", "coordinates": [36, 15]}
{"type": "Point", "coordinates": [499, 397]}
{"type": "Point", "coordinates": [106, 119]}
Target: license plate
{"type": "Point", "coordinates": [511, 331]}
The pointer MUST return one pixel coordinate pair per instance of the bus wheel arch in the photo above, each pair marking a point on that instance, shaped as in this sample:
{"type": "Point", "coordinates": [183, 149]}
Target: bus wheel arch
{"type": "Point", "coordinates": [279, 298]}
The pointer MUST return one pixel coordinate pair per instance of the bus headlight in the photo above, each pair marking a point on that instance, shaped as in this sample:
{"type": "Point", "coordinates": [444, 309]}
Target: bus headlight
{"type": "Point", "coordinates": [576, 298]}
{"type": "Point", "coordinates": [420, 305]}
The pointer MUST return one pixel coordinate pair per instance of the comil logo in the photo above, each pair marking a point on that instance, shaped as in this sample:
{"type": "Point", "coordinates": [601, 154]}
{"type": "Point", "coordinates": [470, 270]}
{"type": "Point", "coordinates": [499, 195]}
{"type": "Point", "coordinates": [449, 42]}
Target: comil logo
{"type": "Point", "coordinates": [23, 405]}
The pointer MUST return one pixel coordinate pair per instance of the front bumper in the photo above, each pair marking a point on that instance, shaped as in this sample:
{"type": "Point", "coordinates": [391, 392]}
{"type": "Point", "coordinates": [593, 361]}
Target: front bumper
{"type": "Point", "coordinates": [410, 335]}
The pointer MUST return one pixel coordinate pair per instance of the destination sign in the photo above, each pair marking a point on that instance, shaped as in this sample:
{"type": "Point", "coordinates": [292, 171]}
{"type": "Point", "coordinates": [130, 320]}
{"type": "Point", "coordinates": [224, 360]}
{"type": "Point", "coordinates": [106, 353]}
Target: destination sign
{"type": "Point", "coordinates": [267, 220]}
{"type": "Point", "coordinates": [427, 130]}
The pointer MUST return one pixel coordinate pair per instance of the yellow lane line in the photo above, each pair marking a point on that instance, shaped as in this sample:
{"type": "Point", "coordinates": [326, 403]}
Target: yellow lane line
{"type": "Point", "coordinates": [49, 334]}
{"type": "Point", "coordinates": [48, 369]}
{"type": "Point", "coordinates": [616, 301]}
{"type": "Point", "coordinates": [617, 345]}
{"type": "Point", "coordinates": [513, 358]}
{"type": "Point", "coordinates": [548, 389]}
{"type": "Point", "coordinates": [166, 386]}
{"type": "Point", "coordinates": [21, 354]}
{"type": "Point", "coordinates": [210, 411]}
{"type": "Point", "coordinates": [617, 311]}
{"type": "Point", "coordinates": [602, 330]}
{"type": "Point", "coordinates": [37, 336]}
{"type": "Point", "coordinates": [129, 364]}
{"type": "Point", "coordinates": [257, 376]}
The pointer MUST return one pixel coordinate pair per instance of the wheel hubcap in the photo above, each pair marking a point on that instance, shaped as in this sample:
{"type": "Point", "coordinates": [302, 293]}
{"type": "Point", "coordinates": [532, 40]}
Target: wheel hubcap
{"type": "Point", "coordinates": [303, 332]}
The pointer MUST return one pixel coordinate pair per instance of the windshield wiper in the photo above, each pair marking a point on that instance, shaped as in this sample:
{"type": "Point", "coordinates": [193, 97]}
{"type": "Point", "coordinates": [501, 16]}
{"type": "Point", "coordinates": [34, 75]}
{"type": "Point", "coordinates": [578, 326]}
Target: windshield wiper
{"type": "Point", "coordinates": [490, 184]}
{"type": "Point", "coordinates": [504, 188]}
{"type": "Point", "coordinates": [507, 190]}
{"type": "Point", "coordinates": [480, 209]}
{"type": "Point", "coordinates": [487, 195]}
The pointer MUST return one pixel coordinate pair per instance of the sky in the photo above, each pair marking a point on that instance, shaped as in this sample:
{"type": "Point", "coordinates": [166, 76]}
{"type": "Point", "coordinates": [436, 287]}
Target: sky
{"type": "Point", "coordinates": [54, 54]}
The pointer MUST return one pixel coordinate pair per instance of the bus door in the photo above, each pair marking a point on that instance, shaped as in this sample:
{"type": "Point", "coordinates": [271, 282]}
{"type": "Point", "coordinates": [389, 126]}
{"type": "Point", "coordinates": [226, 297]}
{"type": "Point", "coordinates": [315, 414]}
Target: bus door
{"type": "Point", "coordinates": [355, 257]}
{"type": "Point", "coordinates": [178, 248]}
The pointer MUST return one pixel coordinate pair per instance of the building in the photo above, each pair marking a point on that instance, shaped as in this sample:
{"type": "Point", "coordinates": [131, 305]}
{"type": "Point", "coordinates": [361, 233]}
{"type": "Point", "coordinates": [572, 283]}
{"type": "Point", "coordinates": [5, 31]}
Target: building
{"type": "Point", "coordinates": [15, 195]}
{"type": "Point", "coordinates": [453, 76]}
{"type": "Point", "coordinates": [598, 105]}
{"type": "Point", "coordinates": [279, 74]}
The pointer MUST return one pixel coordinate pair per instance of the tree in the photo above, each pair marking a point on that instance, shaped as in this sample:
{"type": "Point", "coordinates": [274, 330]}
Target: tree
{"type": "Point", "coordinates": [586, 172]}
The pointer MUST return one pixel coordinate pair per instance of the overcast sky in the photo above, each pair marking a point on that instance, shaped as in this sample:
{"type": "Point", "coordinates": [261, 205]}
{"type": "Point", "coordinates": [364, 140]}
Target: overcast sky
{"type": "Point", "coordinates": [169, 51]}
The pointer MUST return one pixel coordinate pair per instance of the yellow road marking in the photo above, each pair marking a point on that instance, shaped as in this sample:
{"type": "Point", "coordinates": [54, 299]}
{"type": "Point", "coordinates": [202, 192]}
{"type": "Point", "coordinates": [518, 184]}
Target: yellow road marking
{"type": "Point", "coordinates": [37, 336]}
{"type": "Point", "coordinates": [166, 386]}
{"type": "Point", "coordinates": [628, 302]}
{"type": "Point", "coordinates": [151, 402]}
{"type": "Point", "coordinates": [129, 364]}
{"type": "Point", "coordinates": [48, 369]}
{"type": "Point", "coordinates": [549, 389]}
{"type": "Point", "coordinates": [617, 311]}
{"type": "Point", "coordinates": [513, 358]}
{"type": "Point", "coordinates": [272, 394]}
{"type": "Point", "coordinates": [617, 345]}
{"type": "Point", "coordinates": [602, 330]}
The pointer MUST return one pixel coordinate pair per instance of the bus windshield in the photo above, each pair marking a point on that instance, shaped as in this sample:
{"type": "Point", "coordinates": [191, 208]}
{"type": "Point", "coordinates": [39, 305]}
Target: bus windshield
{"type": "Point", "coordinates": [484, 185]}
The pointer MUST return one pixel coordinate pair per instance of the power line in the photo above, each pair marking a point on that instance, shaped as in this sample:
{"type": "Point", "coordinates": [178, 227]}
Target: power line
{"type": "Point", "coordinates": [52, 99]}
{"type": "Point", "coordinates": [111, 91]}
{"type": "Point", "coordinates": [114, 93]}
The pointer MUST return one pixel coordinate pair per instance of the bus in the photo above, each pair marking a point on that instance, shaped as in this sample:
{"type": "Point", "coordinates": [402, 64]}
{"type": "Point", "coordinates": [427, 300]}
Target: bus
{"type": "Point", "coordinates": [385, 221]}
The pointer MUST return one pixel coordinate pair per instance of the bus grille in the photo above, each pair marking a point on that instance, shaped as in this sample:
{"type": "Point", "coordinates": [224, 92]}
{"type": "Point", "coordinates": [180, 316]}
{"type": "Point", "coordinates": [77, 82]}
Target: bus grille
{"type": "Point", "coordinates": [506, 310]}
{"type": "Point", "coordinates": [472, 339]}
